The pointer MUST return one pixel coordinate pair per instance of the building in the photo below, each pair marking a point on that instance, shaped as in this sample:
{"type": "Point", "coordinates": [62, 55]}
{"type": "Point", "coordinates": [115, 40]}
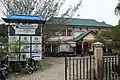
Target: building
{"type": "Point", "coordinates": [72, 34]}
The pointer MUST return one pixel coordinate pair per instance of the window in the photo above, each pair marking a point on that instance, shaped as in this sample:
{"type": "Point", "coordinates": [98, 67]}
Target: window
{"type": "Point", "coordinates": [86, 28]}
{"type": "Point", "coordinates": [63, 33]}
{"type": "Point", "coordinates": [69, 32]}
{"type": "Point", "coordinates": [99, 29]}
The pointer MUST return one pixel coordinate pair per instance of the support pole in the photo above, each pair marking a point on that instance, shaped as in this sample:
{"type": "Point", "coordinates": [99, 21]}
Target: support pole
{"type": "Point", "coordinates": [98, 61]}
{"type": "Point", "coordinates": [8, 47]}
{"type": "Point", "coordinates": [41, 39]}
{"type": "Point", "coordinates": [82, 50]}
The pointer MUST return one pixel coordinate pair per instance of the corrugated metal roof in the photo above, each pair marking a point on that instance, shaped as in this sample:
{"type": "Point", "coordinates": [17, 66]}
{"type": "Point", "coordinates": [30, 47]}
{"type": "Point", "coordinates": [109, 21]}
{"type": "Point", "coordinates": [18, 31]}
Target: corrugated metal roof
{"type": "Point", "coordinates": [76, 22]}
{"type": "Point", "coordinates": [79, 37]}
{"type": "Point", "coordinates": [24, 17]}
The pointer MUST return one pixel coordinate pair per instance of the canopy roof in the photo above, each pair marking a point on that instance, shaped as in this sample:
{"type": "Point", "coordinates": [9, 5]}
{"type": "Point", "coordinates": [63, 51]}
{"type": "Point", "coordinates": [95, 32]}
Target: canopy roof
{"type": "Point", "coordinates": [82, 35]}
{"type": "Point", "coordinates": [13, 18]}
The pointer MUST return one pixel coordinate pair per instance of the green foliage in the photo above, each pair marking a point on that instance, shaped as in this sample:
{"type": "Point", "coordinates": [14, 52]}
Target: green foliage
{"type": "Point", "coordinates": [3, 50]}
{"type": "Point", "coordinates": [16, 49]}
{"type": "Point", "coordinates": [117, 9]}
{"type": "Point", "coordinates": [4, 39]}
{"type": "Point", "coordinates": [110, 38]}
{"type": "Point", "coordinates": [7, 47]}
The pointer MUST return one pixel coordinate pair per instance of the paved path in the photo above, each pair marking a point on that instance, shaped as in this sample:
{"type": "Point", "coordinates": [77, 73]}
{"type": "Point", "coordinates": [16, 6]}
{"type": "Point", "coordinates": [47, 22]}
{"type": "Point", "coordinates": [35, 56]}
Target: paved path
{"type": "Point", "coordinates": [54, 73]}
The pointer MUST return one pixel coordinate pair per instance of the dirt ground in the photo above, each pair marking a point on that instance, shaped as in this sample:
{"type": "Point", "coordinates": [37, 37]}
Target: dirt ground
{"type": "Point", "coordinates": [56, 72]}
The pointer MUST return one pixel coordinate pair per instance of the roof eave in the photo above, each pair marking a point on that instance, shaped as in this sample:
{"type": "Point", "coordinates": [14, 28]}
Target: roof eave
{"type": "Point", "coordinates": [90, 26]}
{"type": "Point", "coordinates": [23, 21]}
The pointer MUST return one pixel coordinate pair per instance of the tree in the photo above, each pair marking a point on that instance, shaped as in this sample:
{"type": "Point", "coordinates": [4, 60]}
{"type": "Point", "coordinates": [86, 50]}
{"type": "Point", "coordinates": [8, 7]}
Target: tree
{"type": "Point", "coordinates": [15, 48]}
{"type": "Point", "coordinates": [3, 50]}
{"type": "Point", "coordinates": [45, 8]}
{"type": "Point", "coordinates": [110, 38]}
{"type": "Point", "coordinates": [117, 9]}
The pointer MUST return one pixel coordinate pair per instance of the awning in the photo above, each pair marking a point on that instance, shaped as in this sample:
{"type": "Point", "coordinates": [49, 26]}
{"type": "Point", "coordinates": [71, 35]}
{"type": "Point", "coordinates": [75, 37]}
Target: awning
{"type": "Point", "coordinates": [82, 35]}
{"type": "Point", "coordinates": [24, 19]}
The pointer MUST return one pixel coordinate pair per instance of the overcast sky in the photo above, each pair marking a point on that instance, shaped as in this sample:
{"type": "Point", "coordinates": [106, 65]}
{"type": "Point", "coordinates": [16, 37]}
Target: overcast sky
{"type": "Point", "coordinates": [100, 10]}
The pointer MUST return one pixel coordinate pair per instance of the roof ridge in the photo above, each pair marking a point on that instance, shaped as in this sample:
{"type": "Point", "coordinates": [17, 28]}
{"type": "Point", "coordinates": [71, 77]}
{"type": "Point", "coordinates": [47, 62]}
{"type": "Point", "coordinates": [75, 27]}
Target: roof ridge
{"type": "Point", "coordinates": [76, 18]}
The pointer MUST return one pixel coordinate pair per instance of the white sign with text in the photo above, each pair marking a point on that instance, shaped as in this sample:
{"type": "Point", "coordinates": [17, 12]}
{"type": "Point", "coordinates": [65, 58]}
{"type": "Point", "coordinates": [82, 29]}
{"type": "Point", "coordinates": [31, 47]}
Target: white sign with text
{"type": "Point", "coordinates": [25, 29]}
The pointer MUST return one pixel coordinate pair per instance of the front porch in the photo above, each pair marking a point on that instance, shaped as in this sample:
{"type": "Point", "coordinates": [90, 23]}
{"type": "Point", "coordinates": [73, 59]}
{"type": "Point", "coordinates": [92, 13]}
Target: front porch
{"type": "Point", "coordinates": [66, 44]}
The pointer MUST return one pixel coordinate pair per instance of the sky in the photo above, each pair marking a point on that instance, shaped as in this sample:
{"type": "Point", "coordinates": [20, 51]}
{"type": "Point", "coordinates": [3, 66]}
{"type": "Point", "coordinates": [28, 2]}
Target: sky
{"type": "Point", "coordinates": [100, 10]}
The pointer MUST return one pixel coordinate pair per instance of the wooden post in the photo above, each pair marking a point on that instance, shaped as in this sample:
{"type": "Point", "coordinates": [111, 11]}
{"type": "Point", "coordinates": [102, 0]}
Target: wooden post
{"type": "Point", "coordinates": [98, 62]}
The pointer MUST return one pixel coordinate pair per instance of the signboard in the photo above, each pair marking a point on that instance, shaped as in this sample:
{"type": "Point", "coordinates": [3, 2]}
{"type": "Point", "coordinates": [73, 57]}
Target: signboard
{"type": "Point", "coordinates": [13, 39]}
{"type": "Point", "coordinates": [25, 29]}
{"type": "Point", "coordinates": [37, 56]}
{"type": "Point", "coordinates": [27, 55]}
{"type": "Point", "coordinates": [25, 48]}
{"type": "Point", "coordinates": [25, 39]}
{"type": "Point", "coordinates": [36, 48]}
{"type": "Point", "coordinates": [32, 26]}
{"type": "Point", "coordinates": [31, 46]}
{"type": "Point", "coordinates": [36, 39]}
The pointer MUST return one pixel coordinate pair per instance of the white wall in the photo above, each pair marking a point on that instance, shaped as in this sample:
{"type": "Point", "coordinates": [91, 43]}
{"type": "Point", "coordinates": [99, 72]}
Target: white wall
{"type": "Point", "coordinates": [89, 37]}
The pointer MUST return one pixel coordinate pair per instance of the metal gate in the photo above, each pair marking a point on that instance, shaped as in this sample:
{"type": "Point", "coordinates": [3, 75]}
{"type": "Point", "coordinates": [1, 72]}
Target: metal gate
{"type": "Point", "coordinates": [82, 68]}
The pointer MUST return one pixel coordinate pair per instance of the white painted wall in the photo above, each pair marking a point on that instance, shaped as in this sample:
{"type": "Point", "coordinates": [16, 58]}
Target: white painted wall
{"type": "Point", "coordinates": [89, 37]}
{"type": "Point", "coordinates": [77, 33]}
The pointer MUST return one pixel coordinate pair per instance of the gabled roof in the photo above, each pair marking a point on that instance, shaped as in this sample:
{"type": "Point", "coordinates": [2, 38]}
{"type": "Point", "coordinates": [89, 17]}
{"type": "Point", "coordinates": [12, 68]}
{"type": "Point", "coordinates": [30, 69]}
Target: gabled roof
{"type": "Point", "coordinates": [81, 36]}
{"type": "Point", "coordinates": [77, 22]}
{"type": "Point", "coordinates": [13, 18]}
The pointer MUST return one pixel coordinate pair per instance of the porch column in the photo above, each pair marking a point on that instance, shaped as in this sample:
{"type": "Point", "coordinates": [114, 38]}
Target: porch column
{"type": "Point", "coordinates": [66, 31]}
{"type": "Point", "coordinates": [51, 47]}
{"type": "Point", "coordinates": [73, 34]}
{"type": "Point", "coordinates": [82, 50]}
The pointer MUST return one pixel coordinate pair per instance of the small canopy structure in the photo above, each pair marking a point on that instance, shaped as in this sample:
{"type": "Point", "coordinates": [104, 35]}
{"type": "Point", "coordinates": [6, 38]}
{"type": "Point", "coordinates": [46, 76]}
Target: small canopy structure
{"type": "Point", "coordinates": [25, 19]}
{"type": "Point", "coordinates": [31, 19]}
{"type": "Point", "coordinates": [83, 35]}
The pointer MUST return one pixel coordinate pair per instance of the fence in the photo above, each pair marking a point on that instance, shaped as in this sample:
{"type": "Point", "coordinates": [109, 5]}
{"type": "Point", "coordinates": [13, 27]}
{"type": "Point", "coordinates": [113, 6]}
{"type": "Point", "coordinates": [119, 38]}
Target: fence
{"type": "Point", "coordinates": [82, 68]}
{"type": "Point", "coordinates": [115, 76]}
